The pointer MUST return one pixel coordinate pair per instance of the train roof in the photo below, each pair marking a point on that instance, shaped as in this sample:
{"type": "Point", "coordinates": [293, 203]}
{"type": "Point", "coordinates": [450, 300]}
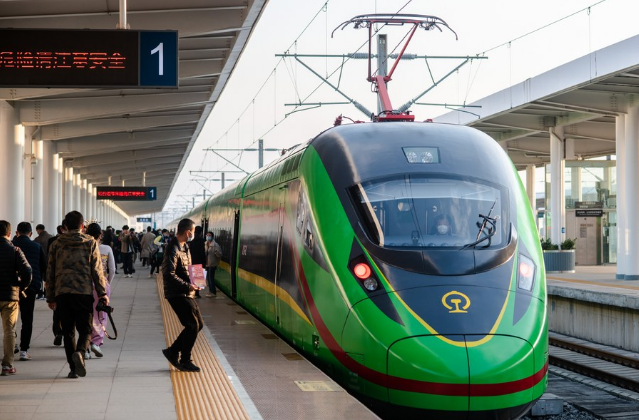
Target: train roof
{"type": "Point", "coordinates": [357, 152]}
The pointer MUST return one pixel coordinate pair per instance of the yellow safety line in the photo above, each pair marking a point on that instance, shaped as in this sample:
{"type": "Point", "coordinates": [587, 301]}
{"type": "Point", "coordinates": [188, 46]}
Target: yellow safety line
{"type": "Point", "coordinates": [208, 394]}
{"type": "Point", "coordinates": [616, 286]}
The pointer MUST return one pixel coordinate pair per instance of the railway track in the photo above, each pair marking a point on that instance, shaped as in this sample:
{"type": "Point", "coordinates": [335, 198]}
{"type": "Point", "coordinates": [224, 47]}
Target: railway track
{"type": "Point", "coordinates": [603, 363]}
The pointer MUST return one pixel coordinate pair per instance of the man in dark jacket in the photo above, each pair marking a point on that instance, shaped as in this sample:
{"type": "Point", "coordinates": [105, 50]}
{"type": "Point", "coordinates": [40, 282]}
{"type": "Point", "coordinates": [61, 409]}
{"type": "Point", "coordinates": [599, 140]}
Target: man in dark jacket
{"type": "Point", "coordinates": [180, 293]}
{"type": "Point", "coordinates": [15, 276]}
{"type": "Point", "coordinates": [43, 238]}
{"type": "Point", "coordinates": [74, 270]}
{"type": "Point", "coordinates": [127, 248]}
{"type": "Point", "coordinates": [35, 256]}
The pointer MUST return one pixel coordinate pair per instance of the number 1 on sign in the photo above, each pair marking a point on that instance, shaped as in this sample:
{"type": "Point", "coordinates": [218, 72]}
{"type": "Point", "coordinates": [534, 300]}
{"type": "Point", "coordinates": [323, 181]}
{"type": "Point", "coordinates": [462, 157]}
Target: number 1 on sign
{"type": "Point", "coordinates": [160, 50]}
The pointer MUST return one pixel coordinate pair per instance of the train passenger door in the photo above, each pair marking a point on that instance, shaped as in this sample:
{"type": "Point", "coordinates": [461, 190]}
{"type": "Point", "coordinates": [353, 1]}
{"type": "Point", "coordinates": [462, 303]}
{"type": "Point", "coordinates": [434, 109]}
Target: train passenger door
{"type": "Point", "coordinates": [278, 263]}
{"type": "Point", "coordinates": [236, 239]}
{"type": "Point", "coordinates": [205, 225]}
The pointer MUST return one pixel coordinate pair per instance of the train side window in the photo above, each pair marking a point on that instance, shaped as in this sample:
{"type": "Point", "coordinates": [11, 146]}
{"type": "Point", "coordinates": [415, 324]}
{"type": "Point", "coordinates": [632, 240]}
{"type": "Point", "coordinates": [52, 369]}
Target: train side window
{"type": "Point", "coordinates": [308, 238]}
{"type": "Point", "coordinates": [301, 212]}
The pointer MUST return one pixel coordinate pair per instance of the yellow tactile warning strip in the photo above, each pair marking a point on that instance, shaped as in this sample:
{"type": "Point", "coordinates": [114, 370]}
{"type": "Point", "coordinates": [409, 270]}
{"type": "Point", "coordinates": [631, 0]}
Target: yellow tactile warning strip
{"type": "Point", "coordinates": [204, 395]}
{"type": "Point", "coordinates": [615, 286]}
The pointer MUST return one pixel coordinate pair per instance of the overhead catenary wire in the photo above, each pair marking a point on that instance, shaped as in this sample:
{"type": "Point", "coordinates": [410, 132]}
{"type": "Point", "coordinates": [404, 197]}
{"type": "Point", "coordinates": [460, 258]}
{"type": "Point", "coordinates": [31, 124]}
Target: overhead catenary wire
{"type": "Point", "coordinates": [509, 42]}
{"type": "Point", "coordinates": [543, 27]}
{"type": "Point", "coordinates": [272, 74]}
{"type": "Point", "coordinates": [277, 121]}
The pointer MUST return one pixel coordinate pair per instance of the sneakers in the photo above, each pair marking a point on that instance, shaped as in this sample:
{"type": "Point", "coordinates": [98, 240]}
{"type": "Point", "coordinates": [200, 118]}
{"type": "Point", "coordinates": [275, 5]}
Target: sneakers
{"type": "Point", "coordinates": [128, 275]}
{"type": "Point", "coordinates": [57, 341]}
{"type": "Point", "coordinates": [87, 355]}
{"type": "Point", "coordinates": [78, 361]}
{"type": "Point", "coordinates": [96, 350]}
{"type": "Point", "coordinates": [24, 356]}
{"type": "Point", "coordinates": [72, 375]}
{"type": "Point", "coordinates": [171, 357]}
{"type": "Point", "coordinates": [188, 367]}
{"type": "Point", "coordinates": [8, 370]}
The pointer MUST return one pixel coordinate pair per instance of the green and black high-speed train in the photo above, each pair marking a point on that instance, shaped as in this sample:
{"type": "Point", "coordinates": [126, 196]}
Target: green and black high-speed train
{"type": "Point", "coordinates": [401, 258]}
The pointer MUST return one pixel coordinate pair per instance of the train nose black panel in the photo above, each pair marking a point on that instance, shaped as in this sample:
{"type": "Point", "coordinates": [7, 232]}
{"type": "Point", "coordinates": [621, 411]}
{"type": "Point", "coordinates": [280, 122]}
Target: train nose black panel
{"type": "Point", "coordinates": [457, 309]}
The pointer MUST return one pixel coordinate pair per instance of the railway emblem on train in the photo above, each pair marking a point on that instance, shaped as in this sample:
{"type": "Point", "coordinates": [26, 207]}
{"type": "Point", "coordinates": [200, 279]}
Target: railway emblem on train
{"type": "Point", "coordinates": [456, 302]}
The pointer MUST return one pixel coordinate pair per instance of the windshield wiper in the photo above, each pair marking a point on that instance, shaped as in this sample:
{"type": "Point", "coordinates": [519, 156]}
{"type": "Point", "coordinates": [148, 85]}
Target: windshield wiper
{"type": "Point", "coordinates": [492, 229]}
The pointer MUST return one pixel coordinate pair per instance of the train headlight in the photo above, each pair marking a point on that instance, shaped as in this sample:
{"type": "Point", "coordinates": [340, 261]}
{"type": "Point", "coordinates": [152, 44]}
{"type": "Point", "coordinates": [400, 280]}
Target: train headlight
{"type": "Point", "coordinates": [525, 273]}
{"type": "Point", "coordinates": [421, 154]}
{"type": "Point", "coordinates": [362, 271]}
{"type": "Point", "coordinates": [371, 284]}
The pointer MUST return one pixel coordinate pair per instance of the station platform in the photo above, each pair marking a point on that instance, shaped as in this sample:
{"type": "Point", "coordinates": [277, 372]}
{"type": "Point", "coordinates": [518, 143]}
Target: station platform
{"type": "Point", "coordinates": [593, 305]}
{"type": "Point", "coordinates": [596, 284]}
{"type": "Point", "coordinates": [247, 371]}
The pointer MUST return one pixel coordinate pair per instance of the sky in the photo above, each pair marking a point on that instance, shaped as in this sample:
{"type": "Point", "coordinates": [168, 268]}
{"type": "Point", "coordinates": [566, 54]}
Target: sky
{"type": "Point", "coordinates": [520, 40]}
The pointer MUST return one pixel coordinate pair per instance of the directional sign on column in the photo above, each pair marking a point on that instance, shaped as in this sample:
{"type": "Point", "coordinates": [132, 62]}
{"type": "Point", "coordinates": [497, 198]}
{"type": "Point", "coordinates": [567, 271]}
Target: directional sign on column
{"type": "Point", "coordinates": [88, 58]}
{"type": "Point", "coordinates": [127, 193]}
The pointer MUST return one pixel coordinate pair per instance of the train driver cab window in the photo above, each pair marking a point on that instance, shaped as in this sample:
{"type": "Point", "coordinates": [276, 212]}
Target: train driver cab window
{"type": "Point", "coordinates": [423, 212]}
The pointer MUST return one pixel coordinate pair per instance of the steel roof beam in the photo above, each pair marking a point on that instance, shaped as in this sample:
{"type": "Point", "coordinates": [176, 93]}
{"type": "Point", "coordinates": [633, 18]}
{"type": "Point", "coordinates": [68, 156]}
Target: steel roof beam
{"type": "Point", "coordinates": [134, 173]}
{"type": "Point", "coordinates": [198, 68]}
{"type": "Point", "coordinates": [17, 94]}
{"type": "Point", "coordinates": [51, 111]}
{"type": "Point", "coordinates": [113, 125]}
{"type": "Point", "coordinates": [123, 141]}
{"type": "Point", "coordinates": [110, 168]}
{"type": "Point", "coordinates": [196, 21]}
{"type": "Point", "coordinates": [127, 156]}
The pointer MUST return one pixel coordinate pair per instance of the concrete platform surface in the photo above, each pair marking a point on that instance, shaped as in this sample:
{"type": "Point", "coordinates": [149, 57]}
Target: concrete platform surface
{"type": "Point", "coordinates": [134, 381]}
{"type": "Point", "coordinates": [596, 284]}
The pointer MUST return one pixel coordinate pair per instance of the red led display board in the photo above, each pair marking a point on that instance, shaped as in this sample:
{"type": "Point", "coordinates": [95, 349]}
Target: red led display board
{"type": "Point", "coordinates": [127, 193]}
{"type": "Point", "coordinates": [88, 58]}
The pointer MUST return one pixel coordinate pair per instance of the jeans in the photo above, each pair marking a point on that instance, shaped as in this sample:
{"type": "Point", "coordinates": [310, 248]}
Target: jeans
{"type": "Point", "coordinates": [189, 315]}
{"type": "Point", "coordinates": [127, 261]}
{"type": "Point", "coordinates": [27, 306]}
{"type": "Point", "coordinates": [210, 278]}
{"type": "Point", "coordinates": [9, 314]}
{"type": "Point", "coordinates": [76, 312]}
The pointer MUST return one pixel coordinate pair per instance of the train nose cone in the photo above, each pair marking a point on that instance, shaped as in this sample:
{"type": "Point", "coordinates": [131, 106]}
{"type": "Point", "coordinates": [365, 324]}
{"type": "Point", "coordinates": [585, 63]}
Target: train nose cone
{"type": "Point", "coordinates": [457, 374]}
{"type": "Point", "coordinates": [428, 372]}
{"type": "Point", "coordinates": [502, 372]}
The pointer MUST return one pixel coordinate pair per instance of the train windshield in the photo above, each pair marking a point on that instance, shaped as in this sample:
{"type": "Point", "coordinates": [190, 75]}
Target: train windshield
{"type": "Point", "coordinates": [422, 212]}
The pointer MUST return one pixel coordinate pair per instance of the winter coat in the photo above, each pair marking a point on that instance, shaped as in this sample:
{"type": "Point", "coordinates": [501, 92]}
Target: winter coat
{"type": "Point", "coordinates": [74, 266]}
{"type": "Point", "coordinates": [147, 245]}
{"type": "Point", "coordinates": [198, 255]}
{"type": "Point", "coordinates": [15, 271]}
{"type": "Point", "coordinates": [175, 270]}
{"type": "Point", "coordinates": [128, 242]}
{"type": "Point", "coordinates": [36, 258]}
{"type": "Point", "coordinates": [213, 254]}
{"type": "Point", "coordinates": [43, 240]}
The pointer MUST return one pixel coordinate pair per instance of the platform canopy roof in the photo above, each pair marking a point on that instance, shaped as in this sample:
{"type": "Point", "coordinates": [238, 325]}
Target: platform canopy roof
{"type": "Point", "coordinates": [123, 133]}
{"type": "Point", "coordinates": [583, 96]}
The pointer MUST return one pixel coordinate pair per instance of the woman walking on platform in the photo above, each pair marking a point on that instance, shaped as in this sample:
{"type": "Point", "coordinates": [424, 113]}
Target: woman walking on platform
{"type": "Point", "coordinates": [108, 267]}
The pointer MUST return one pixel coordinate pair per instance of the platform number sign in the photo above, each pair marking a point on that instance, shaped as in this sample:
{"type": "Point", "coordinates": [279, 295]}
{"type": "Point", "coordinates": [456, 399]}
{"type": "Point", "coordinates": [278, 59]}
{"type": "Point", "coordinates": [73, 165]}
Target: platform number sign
{"type": "Point", "coordinates": [127, 193]}
{"type": "Point", "coordinates": [158, 59]}
{"type": "Point", "coordinates": [87, 58]}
